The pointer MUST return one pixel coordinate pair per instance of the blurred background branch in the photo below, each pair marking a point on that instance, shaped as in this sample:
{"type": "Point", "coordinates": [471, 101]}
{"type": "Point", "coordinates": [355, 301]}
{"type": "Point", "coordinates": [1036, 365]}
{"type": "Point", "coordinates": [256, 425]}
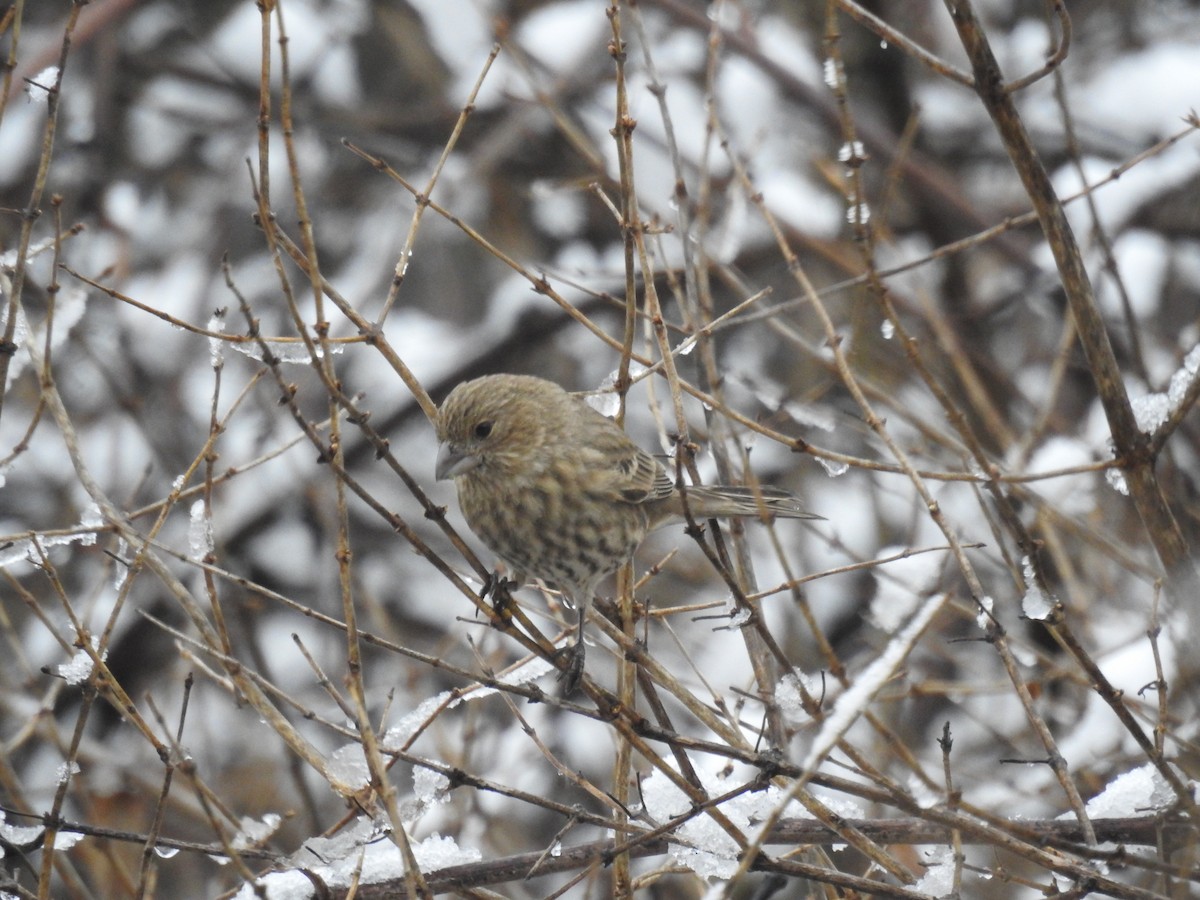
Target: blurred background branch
{"type": "Point", "coordinates": [933, 267]}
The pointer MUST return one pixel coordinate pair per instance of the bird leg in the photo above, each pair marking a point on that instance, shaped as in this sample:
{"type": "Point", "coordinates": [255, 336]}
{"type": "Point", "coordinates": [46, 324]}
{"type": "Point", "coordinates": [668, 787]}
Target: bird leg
{"type": "Point", "coordinates": [572, 675]}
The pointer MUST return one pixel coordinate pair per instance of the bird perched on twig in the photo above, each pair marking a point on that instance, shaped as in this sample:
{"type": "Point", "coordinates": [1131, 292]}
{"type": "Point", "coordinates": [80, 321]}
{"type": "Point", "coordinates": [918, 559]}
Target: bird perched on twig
{"type": "Point", "coordinates": [561, 493]}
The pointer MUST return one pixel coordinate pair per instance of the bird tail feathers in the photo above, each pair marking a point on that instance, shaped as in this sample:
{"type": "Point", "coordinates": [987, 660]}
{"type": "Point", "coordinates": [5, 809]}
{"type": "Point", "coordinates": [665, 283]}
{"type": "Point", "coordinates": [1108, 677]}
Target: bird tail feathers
{"type": "Point", "coordinates": [719, 501]}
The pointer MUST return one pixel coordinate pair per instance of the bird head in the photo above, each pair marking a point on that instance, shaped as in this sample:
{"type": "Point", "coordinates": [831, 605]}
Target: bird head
{"type": "Point", "coordinates": [488, 425]}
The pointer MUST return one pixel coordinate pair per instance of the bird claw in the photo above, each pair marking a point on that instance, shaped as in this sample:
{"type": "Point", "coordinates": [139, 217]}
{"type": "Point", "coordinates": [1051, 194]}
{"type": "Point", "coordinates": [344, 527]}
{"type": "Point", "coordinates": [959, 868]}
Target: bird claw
{"type": "Point", "coordinates": [571, 676]}
{"type": "Point", "coordinates": [500, 590]}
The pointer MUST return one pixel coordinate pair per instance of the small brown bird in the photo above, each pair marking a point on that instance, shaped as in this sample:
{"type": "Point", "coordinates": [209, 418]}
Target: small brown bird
{"type": "Point", "coordinates": [561, 493]}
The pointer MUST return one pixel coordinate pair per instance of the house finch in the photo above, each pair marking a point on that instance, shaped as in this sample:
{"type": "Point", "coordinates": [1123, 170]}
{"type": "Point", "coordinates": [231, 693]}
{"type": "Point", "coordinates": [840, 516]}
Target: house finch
{"type": "Point", "coordinates": [560, 492]}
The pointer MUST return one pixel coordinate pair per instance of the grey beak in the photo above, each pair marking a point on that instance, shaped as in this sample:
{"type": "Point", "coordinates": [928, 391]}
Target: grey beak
{"type": "Point", "coordinates": [452, 462]}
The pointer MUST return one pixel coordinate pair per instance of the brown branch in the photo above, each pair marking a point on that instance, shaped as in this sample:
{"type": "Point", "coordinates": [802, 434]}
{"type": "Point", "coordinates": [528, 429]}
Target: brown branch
{"type": "Point", "coordinates": [1147, 831]}
{"type": "Point", "coordinates": [1133, 447]}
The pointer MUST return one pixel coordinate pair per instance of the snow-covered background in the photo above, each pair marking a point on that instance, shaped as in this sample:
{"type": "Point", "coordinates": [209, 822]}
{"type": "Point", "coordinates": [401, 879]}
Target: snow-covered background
{"type": "Point", "coordinates": [164, 513]}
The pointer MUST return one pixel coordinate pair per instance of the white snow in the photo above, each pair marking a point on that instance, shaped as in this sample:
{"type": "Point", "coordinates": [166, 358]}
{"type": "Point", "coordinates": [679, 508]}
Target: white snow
{"type": "Point", "coordinates": [938, 880]}
{"type": "Point", "coordinates": [399, 734]}
{"type": "Point", "coordinates": [364, 845]}
{"type": "Point", "coordinates": [254, 832]}
{"type": "Point", "coordinates": [79, 669]}
{"type": "Point", "coordinates": [1036, 604]}
{"type": "Point", "coordinates": [1139, 792]}
{"type": "Point", "coordinates": [706, 848]}
{"type": "Point", "coordinates": [200, 532]}
{"type": "Point", "coordinates": [1152, 410]}
{"type": "Point", "coordinates": [347, 769]}
{"type": "Point", "coordinates": [39, 86]}
{"type": "Point", "coordinates": [430, 786]}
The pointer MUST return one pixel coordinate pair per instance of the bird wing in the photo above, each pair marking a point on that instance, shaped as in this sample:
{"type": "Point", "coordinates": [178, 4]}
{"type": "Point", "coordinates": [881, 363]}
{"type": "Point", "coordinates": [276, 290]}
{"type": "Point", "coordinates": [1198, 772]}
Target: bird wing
{"type": "Point", "coordinates": [643, 479]}
{"type": "Point", "coordinates": [622, 471]}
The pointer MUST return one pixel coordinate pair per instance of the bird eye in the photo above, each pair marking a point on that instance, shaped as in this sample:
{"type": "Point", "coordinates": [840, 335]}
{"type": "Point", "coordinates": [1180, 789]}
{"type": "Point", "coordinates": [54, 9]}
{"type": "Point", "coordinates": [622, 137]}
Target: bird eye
{"type": "Point", "coordinates": [483, 429]}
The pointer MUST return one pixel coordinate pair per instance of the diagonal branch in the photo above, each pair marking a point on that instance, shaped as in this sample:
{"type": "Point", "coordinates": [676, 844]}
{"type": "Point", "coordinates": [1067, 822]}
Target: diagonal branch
{"type": "Point", "coordinates": [1134, 450]}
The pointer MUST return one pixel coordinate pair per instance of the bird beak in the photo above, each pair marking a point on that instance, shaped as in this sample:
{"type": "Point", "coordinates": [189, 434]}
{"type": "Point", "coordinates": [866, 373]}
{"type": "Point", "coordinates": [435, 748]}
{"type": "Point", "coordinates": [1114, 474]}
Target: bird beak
{"type": "Point", "coordinates": [452, 462]}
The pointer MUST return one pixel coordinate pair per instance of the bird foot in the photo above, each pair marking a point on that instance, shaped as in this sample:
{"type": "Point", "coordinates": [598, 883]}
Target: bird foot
{"type": "Point", "coordinates": [571, 676]}
{"type": "Point", "coordinates": [500, 590]}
